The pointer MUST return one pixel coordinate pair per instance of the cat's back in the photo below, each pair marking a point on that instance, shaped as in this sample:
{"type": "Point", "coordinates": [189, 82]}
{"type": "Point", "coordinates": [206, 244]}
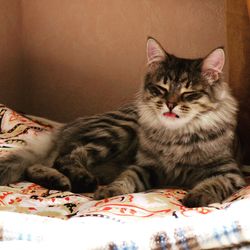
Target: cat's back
{"type": "Point", "coordinates": [118, 126]}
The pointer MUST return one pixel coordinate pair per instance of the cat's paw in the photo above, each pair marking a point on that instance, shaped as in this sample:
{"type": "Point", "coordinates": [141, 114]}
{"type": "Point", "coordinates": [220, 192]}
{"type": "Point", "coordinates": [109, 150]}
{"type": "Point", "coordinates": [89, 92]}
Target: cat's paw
{"type": "Point", "coordinates": [83, 182]}
{"type": "Point", "coordinates": [48, 177]}
{"type": "Point", "coordinates": [107, 191]}
{"type": "Point", "coordinates": [59, 183]}
{"type": "Point", "coordinates": [199, 199]}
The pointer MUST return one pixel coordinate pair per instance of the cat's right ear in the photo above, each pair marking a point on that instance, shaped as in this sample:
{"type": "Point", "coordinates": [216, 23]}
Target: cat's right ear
{"type": "Point", "coordinates": [155, 52]}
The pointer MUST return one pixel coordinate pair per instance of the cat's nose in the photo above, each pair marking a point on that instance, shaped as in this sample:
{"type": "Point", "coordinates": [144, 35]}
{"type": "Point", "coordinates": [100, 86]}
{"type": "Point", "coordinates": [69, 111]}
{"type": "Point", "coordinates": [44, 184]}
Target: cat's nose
{"type": "Point", "coordinates": [171, 105]}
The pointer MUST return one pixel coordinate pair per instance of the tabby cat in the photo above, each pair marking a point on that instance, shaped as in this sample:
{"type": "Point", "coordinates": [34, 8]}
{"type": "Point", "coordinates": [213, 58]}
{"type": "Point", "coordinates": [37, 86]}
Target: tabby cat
{"type": "Point", "coordinates": [180, 131]}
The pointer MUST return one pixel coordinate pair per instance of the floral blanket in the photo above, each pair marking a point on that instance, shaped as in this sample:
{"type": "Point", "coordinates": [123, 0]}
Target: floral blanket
{"type": "Point", "coordinates": [156, 219]}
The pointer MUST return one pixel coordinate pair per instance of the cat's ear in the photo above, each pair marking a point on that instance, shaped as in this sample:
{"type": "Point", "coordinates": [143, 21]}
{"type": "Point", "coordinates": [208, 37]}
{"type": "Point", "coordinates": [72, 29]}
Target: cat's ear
{"type": "Point", "coordinates": [155, 52]}
{"type": "Point", "coordinates": [213, 64]}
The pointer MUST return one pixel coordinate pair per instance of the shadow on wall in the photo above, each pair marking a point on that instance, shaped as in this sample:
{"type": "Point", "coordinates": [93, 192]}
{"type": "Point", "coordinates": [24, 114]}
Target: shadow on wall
{"type": "Point", "coordinates": [239, 75]}
{"type": "Point", "coordinates": [244, 114]}
{"type": "Point", "coordinates": [63, 91]}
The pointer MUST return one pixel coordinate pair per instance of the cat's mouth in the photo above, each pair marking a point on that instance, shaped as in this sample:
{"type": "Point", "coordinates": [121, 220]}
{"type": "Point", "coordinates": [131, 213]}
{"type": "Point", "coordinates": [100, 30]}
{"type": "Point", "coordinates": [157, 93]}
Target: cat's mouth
{"type": "Point", "coordinates": [171, 115]}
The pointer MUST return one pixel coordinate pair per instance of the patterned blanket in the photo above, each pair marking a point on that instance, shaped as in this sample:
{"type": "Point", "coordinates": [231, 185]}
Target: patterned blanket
{"type": "Point", "coordinates": [156, 219]}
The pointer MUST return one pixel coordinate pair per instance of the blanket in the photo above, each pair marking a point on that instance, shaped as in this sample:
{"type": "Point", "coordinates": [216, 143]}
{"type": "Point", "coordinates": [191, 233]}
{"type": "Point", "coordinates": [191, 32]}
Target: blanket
{"type": "Point", "coordinates": [155, 219]}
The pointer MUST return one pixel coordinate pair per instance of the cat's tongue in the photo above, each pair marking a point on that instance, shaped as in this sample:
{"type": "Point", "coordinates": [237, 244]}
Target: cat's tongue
{"type": "Point", "coordinates": [170, 114]}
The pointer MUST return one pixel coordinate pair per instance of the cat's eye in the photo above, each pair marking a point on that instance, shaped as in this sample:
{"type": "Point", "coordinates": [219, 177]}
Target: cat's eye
{"type": "Point", "coordinates": [191, 96]}
{"type": "Point", "coordinates": [156, 90]}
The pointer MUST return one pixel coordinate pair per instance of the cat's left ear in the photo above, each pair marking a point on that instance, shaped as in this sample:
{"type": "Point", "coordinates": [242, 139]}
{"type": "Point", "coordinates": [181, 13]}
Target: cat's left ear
{"type": "Point", "coordinates": [155, 52]}
{"type": "Point", "coordinates": [213, 64]}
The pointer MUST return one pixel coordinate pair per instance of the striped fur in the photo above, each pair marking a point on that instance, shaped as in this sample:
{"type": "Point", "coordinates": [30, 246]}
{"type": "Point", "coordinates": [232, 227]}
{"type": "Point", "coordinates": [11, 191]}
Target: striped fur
{"type": "Point", "coordinates": [179, 132]}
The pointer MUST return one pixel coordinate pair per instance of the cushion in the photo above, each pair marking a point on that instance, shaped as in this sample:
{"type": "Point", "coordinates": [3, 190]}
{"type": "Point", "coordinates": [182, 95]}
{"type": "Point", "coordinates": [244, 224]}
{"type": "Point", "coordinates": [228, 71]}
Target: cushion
{"type": "Point", "coordinates": [155, 219]}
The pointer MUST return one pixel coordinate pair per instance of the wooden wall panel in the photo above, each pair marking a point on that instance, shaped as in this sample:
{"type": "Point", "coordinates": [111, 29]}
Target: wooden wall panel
{"type": "Point", "coordinates": [238, 33]}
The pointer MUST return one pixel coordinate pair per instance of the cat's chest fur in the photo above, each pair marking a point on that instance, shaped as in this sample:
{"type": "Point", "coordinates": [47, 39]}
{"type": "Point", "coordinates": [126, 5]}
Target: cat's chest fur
{"type": "Point", "coordinates": [175, 155]}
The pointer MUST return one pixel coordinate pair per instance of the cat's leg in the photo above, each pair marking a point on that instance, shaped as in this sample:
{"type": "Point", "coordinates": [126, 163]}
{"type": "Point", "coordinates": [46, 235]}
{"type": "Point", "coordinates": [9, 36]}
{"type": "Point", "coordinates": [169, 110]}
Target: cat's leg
{"type": "Point", "coordinates": [73, 165]}
{"type": "Point", "coordinates": [13, 166]}
{"type": "Point", "coordinates": [214, 189]}
{"type": "Point", "coordinates": [48, 177]}
{"type": "Point", "coordinates": [133, 179]}
{"type": "Point", "coordinates": [11, 169]}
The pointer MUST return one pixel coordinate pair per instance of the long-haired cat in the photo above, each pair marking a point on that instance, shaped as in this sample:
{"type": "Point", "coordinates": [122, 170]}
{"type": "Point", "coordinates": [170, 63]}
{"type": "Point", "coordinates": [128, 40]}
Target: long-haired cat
{"type": "Point", "coordinates": [180, 131]}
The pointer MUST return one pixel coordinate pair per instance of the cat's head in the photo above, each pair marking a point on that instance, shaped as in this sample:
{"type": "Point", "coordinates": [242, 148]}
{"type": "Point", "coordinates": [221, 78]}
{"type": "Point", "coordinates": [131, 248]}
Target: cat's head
{"type": "Point", "coordinates": [177, 91]}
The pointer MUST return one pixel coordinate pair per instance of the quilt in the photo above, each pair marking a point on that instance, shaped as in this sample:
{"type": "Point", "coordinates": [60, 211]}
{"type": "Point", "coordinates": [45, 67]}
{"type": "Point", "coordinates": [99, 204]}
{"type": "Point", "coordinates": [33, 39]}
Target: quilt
{"type": "Point", "coordinates": [33, 216]}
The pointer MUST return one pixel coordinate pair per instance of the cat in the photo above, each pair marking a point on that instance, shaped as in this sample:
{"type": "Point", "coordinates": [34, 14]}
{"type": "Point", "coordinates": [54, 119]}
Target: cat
{"type": "Point", "coordinates": [180, 131]}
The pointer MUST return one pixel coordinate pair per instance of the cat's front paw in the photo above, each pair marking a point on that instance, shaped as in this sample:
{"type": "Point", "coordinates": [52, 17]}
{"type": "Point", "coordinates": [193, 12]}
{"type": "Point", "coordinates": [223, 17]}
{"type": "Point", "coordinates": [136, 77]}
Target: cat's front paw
{"type": "Point", "coordinates": [107, 191]}
{"type": "Point", "coordinates": [48, 177]}
{"type": "Point", "coordinates": [83, 182]}
{"type": "Point", "coordinates": [199, 199]}
{"type": "Point", "coordinates": [60, 183]}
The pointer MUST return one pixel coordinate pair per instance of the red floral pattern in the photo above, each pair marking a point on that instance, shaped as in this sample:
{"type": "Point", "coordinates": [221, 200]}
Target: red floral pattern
{"type": "Point", "coordinates": [29, 198]}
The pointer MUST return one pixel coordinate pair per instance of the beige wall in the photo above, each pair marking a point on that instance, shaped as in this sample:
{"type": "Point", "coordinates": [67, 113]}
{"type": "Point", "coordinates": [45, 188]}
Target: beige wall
{"type": "Point", "coordinates": [83, 56]}
{"type": "Point", "coordinates": [67, 58]}
{"type": "Point", "coordinates": [10, 53]}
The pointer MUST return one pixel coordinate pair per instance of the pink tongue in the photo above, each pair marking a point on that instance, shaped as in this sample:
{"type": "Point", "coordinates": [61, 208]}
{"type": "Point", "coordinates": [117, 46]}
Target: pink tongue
{"type": "Point", "coordinates": [170, 114]}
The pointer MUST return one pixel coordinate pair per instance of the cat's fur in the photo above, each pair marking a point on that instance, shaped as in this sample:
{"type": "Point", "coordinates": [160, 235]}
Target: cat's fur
{"type": "Point", "coordinates": [179, 132]}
